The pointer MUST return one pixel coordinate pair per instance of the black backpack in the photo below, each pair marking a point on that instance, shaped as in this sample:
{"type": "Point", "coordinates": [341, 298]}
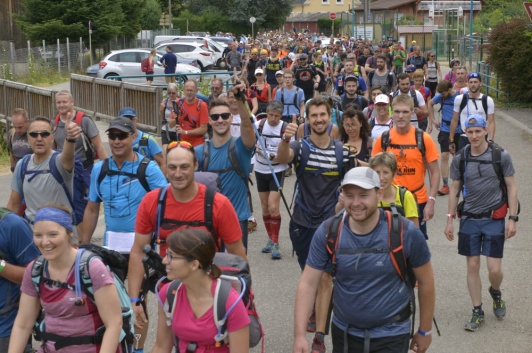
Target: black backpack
{"type": "Point", "coordinates": [465, 100]}
{"type": "Point", "coordinates": [140, 174]}
{"type": "Point", "coordinates": [420, 143]}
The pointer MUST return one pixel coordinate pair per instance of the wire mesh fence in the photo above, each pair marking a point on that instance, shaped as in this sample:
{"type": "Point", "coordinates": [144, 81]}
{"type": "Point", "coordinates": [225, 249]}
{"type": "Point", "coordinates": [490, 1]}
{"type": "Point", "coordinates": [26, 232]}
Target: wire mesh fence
{"type": "Point", "coordinates": [16, 62]}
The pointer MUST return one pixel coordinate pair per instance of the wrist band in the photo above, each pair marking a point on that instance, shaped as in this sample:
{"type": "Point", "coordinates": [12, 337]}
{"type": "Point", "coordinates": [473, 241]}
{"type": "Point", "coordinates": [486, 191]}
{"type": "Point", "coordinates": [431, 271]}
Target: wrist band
{"type": "Point", "coordinates": [422, 333]}
{"type": "Point", "coordinates": [2, 265]}
{"type": "Point", "coordinates": [432, 198]}
{"type": "Point", "coordinates": [134, 300]}
{"type": "Point", "coordinates": [450, 215]}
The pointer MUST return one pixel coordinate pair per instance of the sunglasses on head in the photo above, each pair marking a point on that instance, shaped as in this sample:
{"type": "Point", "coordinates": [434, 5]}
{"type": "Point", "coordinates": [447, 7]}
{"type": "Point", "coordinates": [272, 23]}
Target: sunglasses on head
{"type": "Point", "coordinates": [118, 135]}
{"type": "Point", "coordinates": [43, 134]}
{"type": "Point", "coordinates": [224, 116]}
{"type": "Point", "coordinates": [183, 144]}
{"type": "Point", "coordinates": [473, 75]}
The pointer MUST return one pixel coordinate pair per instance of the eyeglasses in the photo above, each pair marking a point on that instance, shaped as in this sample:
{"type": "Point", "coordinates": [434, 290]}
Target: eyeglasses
{"type": "Point", "coordinates": [351, 126]}
{"type": "Point", "coordinates": [43, 134]}
{"type": "Point", "coordinates": [170, 256]}
{"type": "Point", "coordinates": [171, 92]}
{"type": "Point", "coordinates": [118, 135]}
{"type": "Point", "coordinates": [185, 144]}
{"type": "Point", "coordinates": [224, 116]}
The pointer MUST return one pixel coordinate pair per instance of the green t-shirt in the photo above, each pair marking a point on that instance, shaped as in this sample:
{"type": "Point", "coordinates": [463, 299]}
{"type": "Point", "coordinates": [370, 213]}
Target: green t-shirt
{"type": "Point", "coordinates": [398, 62]}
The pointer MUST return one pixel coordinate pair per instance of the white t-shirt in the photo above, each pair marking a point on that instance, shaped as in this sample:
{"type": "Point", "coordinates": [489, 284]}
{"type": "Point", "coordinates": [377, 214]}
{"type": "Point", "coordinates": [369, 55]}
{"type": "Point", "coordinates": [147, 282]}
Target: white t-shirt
{"type": "Point", "coordinates": [271, 138]}
{"type": "Point", "coordinates": [379, 129]}
{"type": "Point", "coordinates": [471, 109]}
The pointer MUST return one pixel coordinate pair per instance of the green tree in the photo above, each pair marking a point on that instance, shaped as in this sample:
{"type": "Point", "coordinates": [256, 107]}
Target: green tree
{"type": "Point", "coordinates": [51, 19]}
{"type": "Point", "coordinates": [150, 15]}
{"type": "Point", "coordinates": [497, 11]}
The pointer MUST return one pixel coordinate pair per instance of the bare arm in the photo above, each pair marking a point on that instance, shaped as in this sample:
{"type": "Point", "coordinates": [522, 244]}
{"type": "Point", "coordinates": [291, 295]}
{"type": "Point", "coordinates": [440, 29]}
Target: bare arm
{"type": "Point", "coordinates": [110, 312]}
{"type": "Point", "coordinates": [305, 297]}
{"type": "Point", "coordinates": [13, 273]}
{"type": "Point", "coordinates": [247, 132]}
{"type": "Point", "coordinates": [73, 132]}
{"type": "Point", "coordinates": [98, 145]}
{"type": "Point", "coordinates": [236, 248]}
{"type": "Point", "coordinates": [159, 159]}
{"type": "Point", "coordinates": [451, 208]}
{"type": "Point", "coordinates": [135, 275]}
{"type": "Point", "coordinates": [434, 171]}
{"type": "Point", "coordinates": [29, 309]}
{"type": "Point", "coordinates": [15, 201]}
{"type": "Point", "coordinates": [512, 205]}
{"type": "Point", "coordinates": [426, 296]}
{"type": "Point", "coordinates": [284, 152]}
{"type": "Point", "coordinates": [90, 221]}
{"type": "Point", "coordinates": [491, 127]}
{"type": "Point", "coordinates": [239, 340]}
{"type": "Point", "coordinates": [255, 105]}
{"type": "Point", "coordinates": [454, 123]}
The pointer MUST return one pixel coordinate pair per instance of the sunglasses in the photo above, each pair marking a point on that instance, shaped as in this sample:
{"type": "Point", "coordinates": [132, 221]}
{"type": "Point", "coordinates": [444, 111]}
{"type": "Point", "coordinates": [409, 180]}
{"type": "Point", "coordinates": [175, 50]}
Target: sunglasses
{"type": "Point", "coordinates": [183, 144]}
{"type": "Point", "coordinates": [473, 75]}
{"type": "Point", "coordinates": [118, 135]}
{"type": "Point", "coordinates": [170, 92]}
{"type": "Point", "coordinates": [224, 116]}
{"type": "Point", "coordinates": [43, 134]}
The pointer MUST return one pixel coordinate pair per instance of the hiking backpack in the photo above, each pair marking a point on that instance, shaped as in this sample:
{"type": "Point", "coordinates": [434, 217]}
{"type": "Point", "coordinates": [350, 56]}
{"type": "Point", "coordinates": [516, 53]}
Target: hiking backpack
{"type": "Point", "coordinates": [401, 208]}
{"type": "Point", "coordinates": [210, 193]}
{"type": "Point", "coordinates": [360, 102]}
{"type": "Point", "coordinates": [88, 146]}
{"type": "Point", "coordinates": [117, 264]}
{"type": "Point", "coordinates": [235, 165]}
{"type": "Point", "coordinates": [412, 94]}
{"type": "Point", "coordinates": [145, 65]}
{"type": "Point", "coordinates": [140, 174]}
{"type": "Point", "coordinates": [78, 200]}
{"type": "Point", "coordinates": [395, 249]}
{"type": "Point", "coordinates": [296, 95]}
{"type": "Point", "coordinates": [389, 76]}
{"type": "Point", "coordinates": [235, 274]}
{"type": "Point", "coordinates": [496, 161]}
{"type": "Point", "coordinates": [420, 143]}
{"type": "Point", "coordinates": [465, 100]}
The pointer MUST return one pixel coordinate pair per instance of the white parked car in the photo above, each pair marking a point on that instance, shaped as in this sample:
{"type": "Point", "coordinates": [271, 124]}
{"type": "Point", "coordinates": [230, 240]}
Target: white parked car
{"type": "Point", "coordinates": [127, 62]}
{"type": "Point", "coordinates": [215, 48]}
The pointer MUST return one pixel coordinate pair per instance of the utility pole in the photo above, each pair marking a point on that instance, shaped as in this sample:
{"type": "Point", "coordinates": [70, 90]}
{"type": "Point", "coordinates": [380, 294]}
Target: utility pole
{"type": "Point", "coordinates": [170, 26]}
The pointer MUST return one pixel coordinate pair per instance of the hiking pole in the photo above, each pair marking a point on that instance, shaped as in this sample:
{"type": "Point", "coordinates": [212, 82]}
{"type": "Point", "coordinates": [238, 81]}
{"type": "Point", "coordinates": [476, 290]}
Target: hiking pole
{"type": "Point", "coordinates": [279, 188]}
{"type": "Point", "coordinates": [436, 325]}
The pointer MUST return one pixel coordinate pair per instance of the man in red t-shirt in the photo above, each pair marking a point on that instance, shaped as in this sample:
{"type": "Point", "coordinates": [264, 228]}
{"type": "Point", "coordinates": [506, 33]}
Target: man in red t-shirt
{"type": "Point", "coordinates": [193, 119]}
{"type": "Point", "coordinates": [185, 201]}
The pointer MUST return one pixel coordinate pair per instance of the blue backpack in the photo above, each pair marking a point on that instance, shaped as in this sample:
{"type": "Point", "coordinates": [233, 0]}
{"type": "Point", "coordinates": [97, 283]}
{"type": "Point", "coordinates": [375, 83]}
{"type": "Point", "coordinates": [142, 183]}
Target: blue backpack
{"type": "Point", "coordinates": [117, 264]}
{"type": "Point", "coordinates": [78, 201]}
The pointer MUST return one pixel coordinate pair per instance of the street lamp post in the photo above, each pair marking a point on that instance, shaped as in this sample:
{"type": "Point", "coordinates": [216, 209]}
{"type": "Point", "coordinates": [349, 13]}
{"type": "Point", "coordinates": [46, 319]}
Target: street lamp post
{"type": "Point", "coordinates": [252, 20]}
{"type": "Point", "coordinates": [471, 36]}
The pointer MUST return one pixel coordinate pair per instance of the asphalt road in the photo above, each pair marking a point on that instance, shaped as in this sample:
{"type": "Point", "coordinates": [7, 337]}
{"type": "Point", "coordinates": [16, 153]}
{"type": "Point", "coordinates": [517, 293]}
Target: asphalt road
{"type": "Point", "coordinates": [274, 282]}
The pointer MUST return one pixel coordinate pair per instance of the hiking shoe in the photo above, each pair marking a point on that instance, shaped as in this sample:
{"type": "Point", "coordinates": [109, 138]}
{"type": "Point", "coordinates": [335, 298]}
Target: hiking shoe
{"type": "Point", "coordinates": [288, 172]}
{"type": "Point", "coordinates": [268, 247]}
{"type": "Point", "coordinates": [499, 308]}
{"type": "Point", "coordinates": [317, 346]}
{"type": "Point", "coordinates": [444, 190]}
{"type": "Point", "coordinates": [476, 321]}
{"type": "Point", "coordinates": [311, 325]}
{"type": "Point", "coordinates": [276, 254]}
{"type": "Point", "coordinates": [252, 226]}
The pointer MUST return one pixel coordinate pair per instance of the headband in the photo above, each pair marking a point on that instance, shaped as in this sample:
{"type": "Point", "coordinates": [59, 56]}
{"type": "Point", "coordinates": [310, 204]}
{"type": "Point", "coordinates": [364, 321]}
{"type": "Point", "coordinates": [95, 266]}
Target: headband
{"type": "Point", "coordinates": [54, 215]}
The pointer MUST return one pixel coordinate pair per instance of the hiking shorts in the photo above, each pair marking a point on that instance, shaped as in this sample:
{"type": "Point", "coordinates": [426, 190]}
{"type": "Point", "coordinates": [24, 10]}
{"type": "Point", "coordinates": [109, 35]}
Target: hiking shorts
{"type": "Point", "coordinates": [301, 238]}
{"type": "Point", "coordinates": [148, 78]}
{"type": "Point", "coordinates": [164, 137]}
{"type": "Point", "coordinates": [391, 344]}
{"type": "Point", "coordinates": [443, 140]}
{"type": "Point", "coordinates": [481, 236]}
{"type": "Point", "coordinates": [266, 182]}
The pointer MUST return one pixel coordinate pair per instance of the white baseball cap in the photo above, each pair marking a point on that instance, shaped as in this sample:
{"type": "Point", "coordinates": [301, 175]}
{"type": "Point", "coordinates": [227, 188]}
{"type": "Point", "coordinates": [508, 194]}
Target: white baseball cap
{"type": "Point", "coordinates": [363, 177]}
{"type": "Point", "coordinates": [259, 71]}
{"type": "Point", "coordinates": [382, 98]}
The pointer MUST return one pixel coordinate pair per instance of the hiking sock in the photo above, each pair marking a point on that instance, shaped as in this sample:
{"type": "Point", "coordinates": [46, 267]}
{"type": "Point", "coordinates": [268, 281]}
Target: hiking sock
{"type": "Point", "coordinates": [478, 309]}
{"type": "Point", "coordinates": [275, 226]}
{"type": "Point", "coordinates": [445, 181]}
{"type": "Point", "coordinates": [495, 294]}
{"type": "Point", "coordinates": [252, 218]}
{"type": "Point", "coordinates": [319, 336]}
{"type": "Point", "coordinates": [267, 224]}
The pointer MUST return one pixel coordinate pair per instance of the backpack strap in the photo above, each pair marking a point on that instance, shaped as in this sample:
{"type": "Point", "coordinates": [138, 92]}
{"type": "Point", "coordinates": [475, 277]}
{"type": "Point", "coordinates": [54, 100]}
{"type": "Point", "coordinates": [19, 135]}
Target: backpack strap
{"type": "Point", "coordinates": [463, 103]}
{"type": "Point", "coordinates": [420, 141]}
{"type": "Point", "coordinates": [333, 233]}
{"type": "Point", "coordinates": [140, 174]}
{"type": "Point", "coordinates": [221, 294]}
{"type": "Point", "coordinates": [414, 97]}
{"type": "Point", "coordinates": [210, 193]}
{"type": "Point", "coordinates": [261, 125]}
{"type": "Point", "coordinates": [171, 299]}
{"type": "Point", "coordinates": [159, 215]}
{"type": "Point", "coordinates": [59, 178]}
{"type": "Point", "coordinates": [385, 140]}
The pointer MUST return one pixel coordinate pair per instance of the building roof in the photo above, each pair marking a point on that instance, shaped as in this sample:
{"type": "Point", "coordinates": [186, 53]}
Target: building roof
{"type": "Point", "coordinates": [307, 17]}
{"type": "Point", "coordinates": [416, 29]}
{"type": "Point", "coordinates": [390, 4]}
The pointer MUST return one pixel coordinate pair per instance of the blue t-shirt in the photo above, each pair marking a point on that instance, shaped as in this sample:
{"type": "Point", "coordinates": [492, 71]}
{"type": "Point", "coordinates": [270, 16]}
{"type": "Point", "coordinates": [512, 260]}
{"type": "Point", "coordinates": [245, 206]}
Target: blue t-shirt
{"type": "Point", "coordinates": [287, 98]}
{"type": "Point", "coordinates": [170, 60]}
{"type": "Point", "coordinates": [149, 146]}
{"type": "Point", "coordinates": [368, 292]}
{"type": "Point", "coordinates": [16, 245]}
{"type": "Point", "coordinates": [233, 187]}
{"type": "Point", "coordinates": [121, 194]}
{"type": "Point", "coordinates": [447, 111]}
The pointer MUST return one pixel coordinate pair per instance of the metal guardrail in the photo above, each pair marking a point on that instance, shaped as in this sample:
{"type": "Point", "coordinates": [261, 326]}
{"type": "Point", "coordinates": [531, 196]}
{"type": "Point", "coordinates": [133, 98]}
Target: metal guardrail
{"type": "Point", "coordinates": [490, 81]}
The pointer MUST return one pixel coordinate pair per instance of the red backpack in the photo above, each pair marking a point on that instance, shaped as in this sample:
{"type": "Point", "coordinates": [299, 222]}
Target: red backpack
{"type": "Point", "coordinates": [145, 65]}
{"type": "Point", "coordinates": [90, 151]}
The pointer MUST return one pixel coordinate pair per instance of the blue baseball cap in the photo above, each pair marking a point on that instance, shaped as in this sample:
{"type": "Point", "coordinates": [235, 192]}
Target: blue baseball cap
{"type": "Point", "coordinates": [476, 120]}
{"type": "Point", "coordinates": [127, 111]}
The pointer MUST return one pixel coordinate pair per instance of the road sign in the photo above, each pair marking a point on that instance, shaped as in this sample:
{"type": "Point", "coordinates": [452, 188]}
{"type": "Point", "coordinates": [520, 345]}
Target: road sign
{"type": "Point", "coordinates": [332, 16]}
{"type": "Point", "coordinates": [528, 8]}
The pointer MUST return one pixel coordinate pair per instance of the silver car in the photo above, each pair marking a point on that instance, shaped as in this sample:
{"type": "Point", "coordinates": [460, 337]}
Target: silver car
{"type": "Point", "coordinates": [127, 62]}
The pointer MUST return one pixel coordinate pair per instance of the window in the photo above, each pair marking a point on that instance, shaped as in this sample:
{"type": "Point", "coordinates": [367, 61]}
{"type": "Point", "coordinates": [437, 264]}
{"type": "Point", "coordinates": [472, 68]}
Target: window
{"type": "Point", "coordinates": [325, 2]}
{"type": "Point", "coordinates": [339, 2]}
{"type": "Point", "coordinates": [130, 57]}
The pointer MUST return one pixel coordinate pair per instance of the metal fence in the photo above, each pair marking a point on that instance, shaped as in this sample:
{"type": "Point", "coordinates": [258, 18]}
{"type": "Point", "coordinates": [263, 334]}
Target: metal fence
{"type": "Point", "coordinates": [472, 50]}
{"type": "Point", "coordinates": [28, 61]}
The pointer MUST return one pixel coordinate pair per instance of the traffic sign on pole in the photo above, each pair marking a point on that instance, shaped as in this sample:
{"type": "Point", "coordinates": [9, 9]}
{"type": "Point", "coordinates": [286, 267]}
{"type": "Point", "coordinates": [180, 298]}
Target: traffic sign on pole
{"type": "Point", "coordinates": [332, 16]}
{"type": "Point", "coordinates": [528, 8]}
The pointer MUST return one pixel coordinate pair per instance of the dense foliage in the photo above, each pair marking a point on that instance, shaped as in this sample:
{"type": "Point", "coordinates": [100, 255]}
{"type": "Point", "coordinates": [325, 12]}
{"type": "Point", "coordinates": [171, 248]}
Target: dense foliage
{"type": "Point", "coordinates": [510, 50]}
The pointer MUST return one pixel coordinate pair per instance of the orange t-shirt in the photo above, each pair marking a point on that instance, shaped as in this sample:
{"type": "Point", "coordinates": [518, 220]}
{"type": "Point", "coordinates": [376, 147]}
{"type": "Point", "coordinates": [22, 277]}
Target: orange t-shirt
{"type": "Point", "coordinates": [225, 221]}
{"type": "Point", "coordinates": [411, 167]}
{"type": "Point", "coordinates": [192, 117]}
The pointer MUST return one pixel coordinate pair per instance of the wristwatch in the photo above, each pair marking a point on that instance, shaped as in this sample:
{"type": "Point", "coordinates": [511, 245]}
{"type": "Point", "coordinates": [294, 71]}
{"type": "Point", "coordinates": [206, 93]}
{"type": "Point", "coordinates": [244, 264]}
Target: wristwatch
{"type": "Point", "coordinates": [70, 140]}
{"type": "Point", "coordinates": [513, 218]}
